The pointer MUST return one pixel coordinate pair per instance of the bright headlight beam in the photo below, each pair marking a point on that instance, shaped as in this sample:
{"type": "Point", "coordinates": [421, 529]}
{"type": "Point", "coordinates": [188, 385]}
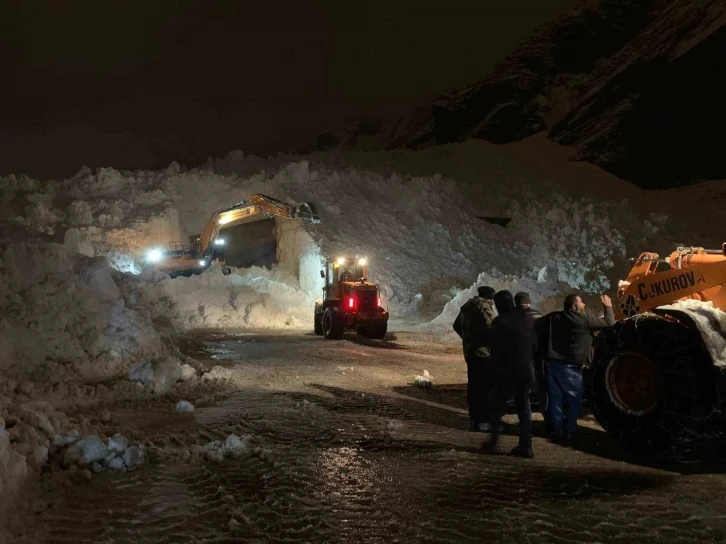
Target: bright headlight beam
{"type": "Point", "coordinates": [219, 242]}
{"type": "Point", "coordinates": [154, 255]}
{"type": "Point", "coordinates": [362, 262]}
{"type": "Point", "coordinates": [202, 262]}
{"type": "Point", "coordinates": [341, 260]}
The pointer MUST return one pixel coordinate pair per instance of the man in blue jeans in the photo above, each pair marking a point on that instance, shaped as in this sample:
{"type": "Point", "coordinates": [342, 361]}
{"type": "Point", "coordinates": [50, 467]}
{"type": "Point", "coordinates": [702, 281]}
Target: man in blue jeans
{"type": "Point", "coordinates": [564, 339]}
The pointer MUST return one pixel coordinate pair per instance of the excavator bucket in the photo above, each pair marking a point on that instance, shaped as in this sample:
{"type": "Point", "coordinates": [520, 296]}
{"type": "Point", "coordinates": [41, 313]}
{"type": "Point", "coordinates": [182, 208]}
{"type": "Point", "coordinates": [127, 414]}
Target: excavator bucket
{"type": "Point", "coordinates": [307, 212]}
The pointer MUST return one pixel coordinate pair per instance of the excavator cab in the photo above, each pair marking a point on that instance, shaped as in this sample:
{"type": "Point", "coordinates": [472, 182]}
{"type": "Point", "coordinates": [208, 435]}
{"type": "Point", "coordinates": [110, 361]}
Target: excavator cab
{"type": "Point", "coordinates": [350, 302]}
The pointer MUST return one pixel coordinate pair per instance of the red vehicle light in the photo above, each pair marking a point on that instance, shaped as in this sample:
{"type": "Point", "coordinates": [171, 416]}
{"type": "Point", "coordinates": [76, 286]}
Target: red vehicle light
{"type": "Point", "coordinates": [378, 302]}
{"type": "Point", "coordinates": [351, 302]}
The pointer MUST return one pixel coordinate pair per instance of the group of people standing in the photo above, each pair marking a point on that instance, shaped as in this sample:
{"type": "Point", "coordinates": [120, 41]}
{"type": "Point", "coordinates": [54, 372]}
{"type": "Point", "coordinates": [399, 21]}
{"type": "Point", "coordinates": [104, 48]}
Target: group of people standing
{"type": "Point", "coordinates": [509, 347]}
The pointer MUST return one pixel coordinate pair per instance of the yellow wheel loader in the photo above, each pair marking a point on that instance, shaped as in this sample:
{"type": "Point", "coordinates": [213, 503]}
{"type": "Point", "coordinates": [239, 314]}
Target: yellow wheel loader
{"type": "Point", "coordinates": [350, 302]}
{"type": "Point", "coordinates": [659, 375]}
{"type": "Point", "coordinates": [209, 246]}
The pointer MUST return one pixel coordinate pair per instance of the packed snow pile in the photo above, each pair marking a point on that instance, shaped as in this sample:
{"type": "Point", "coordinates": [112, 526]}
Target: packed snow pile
{"type": "Point", "coordinates": [711, 323]}
{"type": "Point", "coordinates": [27, 435]}
{"type": "Point", "coordinates": [94, 454]}
{"type": "Point", "coordinates": [422, 234]}
{"type": "Point", "coordinates": [55, 308]}
{"type": "Point", "coordinates": [215, 451]}
{"type": "Point", "coordinates": [113, 212]}
{"type": "Point", "coordinates": [254, 297]}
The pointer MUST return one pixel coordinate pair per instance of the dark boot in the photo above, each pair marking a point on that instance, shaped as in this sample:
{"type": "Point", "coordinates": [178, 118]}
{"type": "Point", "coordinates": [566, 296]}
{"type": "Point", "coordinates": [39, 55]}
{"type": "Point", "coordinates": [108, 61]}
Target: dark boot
{"type": "Point", "coordinates": [491, 444]}
{"type": "Point", "coordinates": [523, 449]}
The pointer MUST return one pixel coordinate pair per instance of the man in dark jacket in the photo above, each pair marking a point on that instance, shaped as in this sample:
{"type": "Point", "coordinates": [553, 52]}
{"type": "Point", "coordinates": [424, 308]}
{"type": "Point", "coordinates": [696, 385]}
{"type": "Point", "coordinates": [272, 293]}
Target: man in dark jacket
{"type": "Point", "coordinates": [564, 339]}
{"type": "Point", "coordinates": [512, 354]}
{"type": "Point", "coordinates": [522, 300]}
{"type": "Point", "coordinates": [474, 326]}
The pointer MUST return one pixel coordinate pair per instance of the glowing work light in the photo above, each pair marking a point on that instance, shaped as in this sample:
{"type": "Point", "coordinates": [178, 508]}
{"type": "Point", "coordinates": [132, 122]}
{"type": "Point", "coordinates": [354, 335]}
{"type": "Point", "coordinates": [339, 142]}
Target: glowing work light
{"type": "Point", "coordinates": [154, 255]}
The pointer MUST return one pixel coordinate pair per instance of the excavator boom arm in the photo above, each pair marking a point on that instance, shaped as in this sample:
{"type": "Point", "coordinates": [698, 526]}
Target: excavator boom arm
{"type": "Point", "coordinates": [256, 204]}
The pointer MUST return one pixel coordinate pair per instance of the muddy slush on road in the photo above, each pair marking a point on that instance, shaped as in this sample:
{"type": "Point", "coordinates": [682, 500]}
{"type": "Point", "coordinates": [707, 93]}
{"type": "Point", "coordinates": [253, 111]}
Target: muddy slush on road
{"type": "Point", "coordinates": [340, 445]}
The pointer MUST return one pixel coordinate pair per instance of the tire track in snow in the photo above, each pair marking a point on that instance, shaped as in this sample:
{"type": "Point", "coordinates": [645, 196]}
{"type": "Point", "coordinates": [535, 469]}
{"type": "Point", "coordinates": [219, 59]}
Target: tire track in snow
{"type": "Point", "coordinates": [346, 466]}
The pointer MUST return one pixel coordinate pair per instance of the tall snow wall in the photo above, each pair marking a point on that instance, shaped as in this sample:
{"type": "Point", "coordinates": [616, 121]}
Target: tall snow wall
{"type": "Point", "coordinates": [422, 233]}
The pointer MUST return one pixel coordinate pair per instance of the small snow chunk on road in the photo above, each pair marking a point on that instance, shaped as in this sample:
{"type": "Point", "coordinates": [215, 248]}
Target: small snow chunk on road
{"type": "Point", "coordinates": [118, 444]}
{"type": "Point", "coordinates": [117, 464]}
{"type": "Point", "coordinates": [424, 381]}
{"type": "Point", "coordinates": [134, 456]}
{"type": "Point", "coordinates": [161, 375]}
{"type": "Point", "coordinates": [86, 451]}
{"type": "Point", "coordinates": [216, 451]}
{"type": "Point", "coordinates": [144, 373]}
{"type": "Point", "coordinates": [218, 373]}
{"type": "Point", "coordinates": [234, 446]}
{"type": "Point", "coordinates": [66, 439]}
{"type": "Point", "coordinates": [184, 406]}
{"type": "Point", "coordinates": [188, 372]}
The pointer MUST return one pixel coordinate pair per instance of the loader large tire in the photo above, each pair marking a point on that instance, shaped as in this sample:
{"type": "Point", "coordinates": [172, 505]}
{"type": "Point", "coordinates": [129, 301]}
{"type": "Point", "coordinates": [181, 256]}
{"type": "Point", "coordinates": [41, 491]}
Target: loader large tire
{"type": "Point", "coordinates": [652, 382]}
{"type": "Point", "coordinates": [332, 326]}
{"type": "Point", "coordinates": [318, 323]}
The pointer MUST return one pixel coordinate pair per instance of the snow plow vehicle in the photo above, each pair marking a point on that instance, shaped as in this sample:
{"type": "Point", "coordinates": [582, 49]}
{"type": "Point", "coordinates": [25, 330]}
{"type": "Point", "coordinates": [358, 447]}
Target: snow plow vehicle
{"type": "Point", "coordinates": [350, 302]}
{"type": "Point", "coordinates": [659, 375]}
{"type": "Point", "coordinates": [209, 246]}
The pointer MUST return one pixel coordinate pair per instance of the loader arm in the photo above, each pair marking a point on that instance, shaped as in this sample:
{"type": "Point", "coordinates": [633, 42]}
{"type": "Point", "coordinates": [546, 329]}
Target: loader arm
{"type": "Point", "coordinates": [257, 204]}
{"type": "Point", "coordinates": [695, 273]}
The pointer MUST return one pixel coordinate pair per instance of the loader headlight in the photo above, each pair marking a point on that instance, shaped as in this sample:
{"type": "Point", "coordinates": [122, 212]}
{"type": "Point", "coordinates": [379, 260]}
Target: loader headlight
{"type": "Point", "coordinates": [341, 261]}
{"type": "Point", "coordinates": [362, 262]}
{"type": "Point", "coordinates": [154, 255]}
{"type": "Point", "coordinates": [202, 263]}
{"type": "Point", "coordinates": [219, 242]}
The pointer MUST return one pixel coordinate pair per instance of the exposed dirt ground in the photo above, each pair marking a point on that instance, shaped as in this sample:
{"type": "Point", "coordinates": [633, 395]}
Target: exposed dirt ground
{"type": "Point", "coordinates": [347, 449]}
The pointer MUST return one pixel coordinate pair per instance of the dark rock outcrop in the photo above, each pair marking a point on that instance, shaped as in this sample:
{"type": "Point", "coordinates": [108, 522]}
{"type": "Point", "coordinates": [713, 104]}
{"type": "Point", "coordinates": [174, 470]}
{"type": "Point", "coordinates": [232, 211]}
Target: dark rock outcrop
{"type": "Point", "coordinates": [534, 86]}
{"type": "Point", "coordinates": [635, 86]}
{"type": "Point", "coordinates": [655, 112]}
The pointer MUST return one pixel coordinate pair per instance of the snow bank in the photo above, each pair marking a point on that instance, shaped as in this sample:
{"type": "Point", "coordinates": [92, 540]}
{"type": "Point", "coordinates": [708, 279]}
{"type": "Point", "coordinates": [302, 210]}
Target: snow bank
{"type": "Point", "coordinates": [53, 308]}
{"type": "Point", "coordinates": [27, 434]}
{"type": "Point", "coordinates": [422, 234]}
{"type": "Point", "coordinates": [254, 297]}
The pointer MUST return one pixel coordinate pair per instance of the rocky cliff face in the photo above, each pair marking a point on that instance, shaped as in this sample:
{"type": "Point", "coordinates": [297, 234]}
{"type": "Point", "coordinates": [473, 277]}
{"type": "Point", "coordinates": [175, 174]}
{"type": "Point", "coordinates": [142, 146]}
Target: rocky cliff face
{"type": "Point", "coordinates": [634, 85]}
{"type": "Point", "coordinates": [654, 112]}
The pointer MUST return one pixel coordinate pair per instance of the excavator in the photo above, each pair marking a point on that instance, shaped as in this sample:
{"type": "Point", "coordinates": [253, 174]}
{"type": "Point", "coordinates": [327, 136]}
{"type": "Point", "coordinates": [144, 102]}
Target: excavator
{"type": "Point", "coordinates": [178, 260]}
{"type": "Point", "coordinates": [659, 375]}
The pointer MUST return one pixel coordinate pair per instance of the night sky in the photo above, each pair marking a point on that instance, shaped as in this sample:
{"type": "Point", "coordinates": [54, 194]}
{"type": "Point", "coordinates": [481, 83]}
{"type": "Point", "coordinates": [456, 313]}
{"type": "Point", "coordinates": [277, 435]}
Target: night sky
{"type": "Point", "coordinates": [137, 84]}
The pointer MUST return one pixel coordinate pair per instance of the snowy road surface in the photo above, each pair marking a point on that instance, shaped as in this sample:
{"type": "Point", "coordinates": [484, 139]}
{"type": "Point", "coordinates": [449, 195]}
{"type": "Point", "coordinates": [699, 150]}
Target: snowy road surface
{"type": "Point", "coordinates": [345, 449]}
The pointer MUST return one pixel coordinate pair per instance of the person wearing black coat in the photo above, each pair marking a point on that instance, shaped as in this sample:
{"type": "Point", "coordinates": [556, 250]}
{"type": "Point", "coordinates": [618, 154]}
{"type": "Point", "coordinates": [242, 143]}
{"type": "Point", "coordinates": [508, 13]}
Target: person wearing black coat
{"type": "Point", "coordinates": [512, 356]}
{"type": "Point", "coordinates": [474, 326]}
{"type": "Point", "coordinates": [522, 300]}
{"type": "Point", "coordinates": [564, 340]}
